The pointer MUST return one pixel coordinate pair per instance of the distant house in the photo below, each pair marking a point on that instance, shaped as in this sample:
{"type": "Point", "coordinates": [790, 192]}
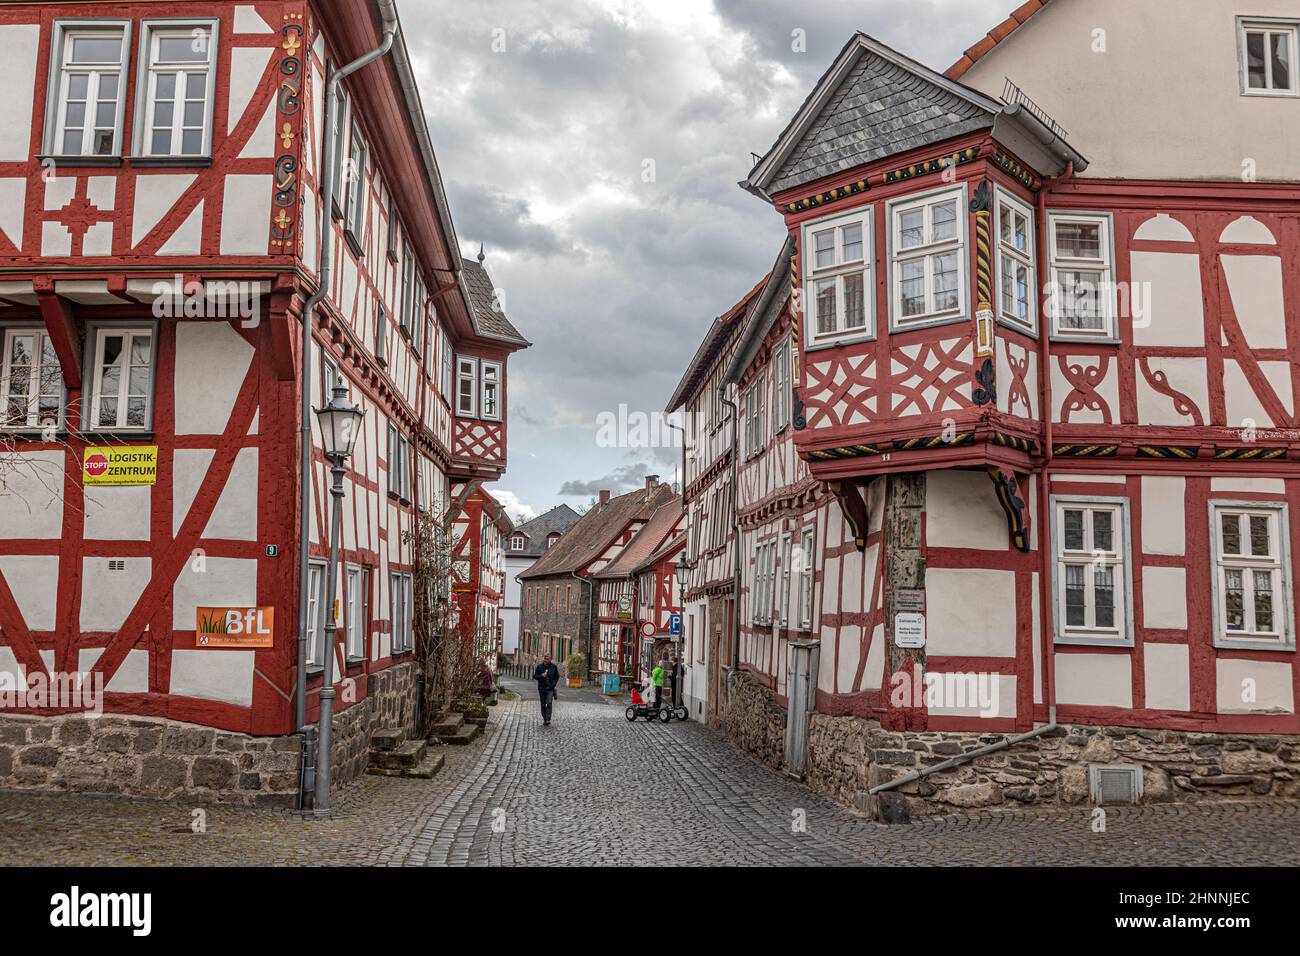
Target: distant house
{"type": "Point", "coordinates": [558, 607]}
{"type": "Point", "coordinates": [523, 546]}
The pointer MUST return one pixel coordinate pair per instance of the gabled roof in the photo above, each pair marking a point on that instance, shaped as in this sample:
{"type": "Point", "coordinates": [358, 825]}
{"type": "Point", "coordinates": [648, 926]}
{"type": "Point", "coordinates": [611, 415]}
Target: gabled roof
{"type": "Point", "coordinates": [594, 532]}
{"type": "Point", "coordinates": [874, 102]}
{"type": "Point", "coordinates": [675, 545]}
{"type": "Point", "coordinates": [646, 541]}
{"type": "Point", "coordinates": [767, 309]}
{"type": "Point", "coordinates": [559, 519]}
{"type": "Point", "coordinates": [495, 513]}
{"type": "Point", "coordinates": [720, 331]}
{"type": "Point", "coordinates": [995, 36]}
{"type": "Point", "coordinates": [490, 321]}
{"type": "Point", "coordinates": [861, 80]}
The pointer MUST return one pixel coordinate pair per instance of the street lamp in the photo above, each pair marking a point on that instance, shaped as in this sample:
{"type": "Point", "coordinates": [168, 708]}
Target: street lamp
{"type": "Point", "coordinates": [340, 423]}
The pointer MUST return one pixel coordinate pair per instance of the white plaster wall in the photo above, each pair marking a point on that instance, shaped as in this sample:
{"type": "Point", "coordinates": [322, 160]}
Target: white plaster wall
{"type": "Point", "coordinates": [132, 676]}
{"type": "Point", "coordinates": [970, 612]}
{"type": "Point", "coordinates": [1268, 682]}
{"type": "Point", "coordinates": [1164, 597]}
{"type": "Point", "coordinates": [1163, 519]}
{"type": "Point", "coordinates": [31, 496]}
{"type": "Point", "coordinates": [221, 582]}
{"type": "Point", "coordinates": [961, 511]}
{"type": "Point", "coordinates": [246, 215]}
{"type": "Point", "coordinates": [1170, 299]}
{"type": "Point", "coordinates": [1168, 77]}
{"type": "Point", "coordinates": [1001, 691]}
{"type": "Point", "coordinates": [225, 675]}
{"type": "Point", "coordinates": [212, 359]}
{"type": "Point", "coordinates": [107, 597]}
{"type": "Point", "coordinates": [18, 71]}
{"type": "Point", "coordinates": [34, 581]}
{"type": "Point", "coordinates": [1097, 680]}
{"type": "Point", "coordinates": [1167, 676]}
{"type": "Point", "coordinates": [117, 513]}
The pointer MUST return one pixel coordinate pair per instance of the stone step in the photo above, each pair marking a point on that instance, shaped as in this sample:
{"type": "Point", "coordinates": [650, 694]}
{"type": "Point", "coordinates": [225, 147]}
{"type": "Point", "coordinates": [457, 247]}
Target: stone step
{"type": "Point", "coordinates": [481, 721]}
{"type": "Point", "coordinates": [424, 770]}
{"type": "Point", "coordinates": [386, 738]}
{"type": "Point", "coordinates": [464, 735]}
{"type": "Point", "coordinates": [448, 725]}
{"type": "Point", "coordinates": [405, 755]}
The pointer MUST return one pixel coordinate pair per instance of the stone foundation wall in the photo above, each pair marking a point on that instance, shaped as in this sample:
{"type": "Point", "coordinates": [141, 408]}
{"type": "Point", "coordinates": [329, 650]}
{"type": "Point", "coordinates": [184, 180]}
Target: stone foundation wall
{"type": "Point", "coordinates": [163, 759]}
{"type": "Point", "coordinates": [391, 701]}
{"type": "Point", "coordinates": [847, 756]}
{"type": "Point", "coordinates": [753, 720]}
{"type": "Point", "coordinates": [147, 757]}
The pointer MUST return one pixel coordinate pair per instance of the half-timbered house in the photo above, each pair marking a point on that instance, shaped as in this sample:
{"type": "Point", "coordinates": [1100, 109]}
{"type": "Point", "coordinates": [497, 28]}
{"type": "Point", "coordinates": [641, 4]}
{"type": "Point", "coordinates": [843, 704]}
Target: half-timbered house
{"type": "Point", "coordinates": [161, 229]}
{"type": "Point", "coordinates": [1018, 455]}
{"type": "Point", "coordinates": [478, 532]}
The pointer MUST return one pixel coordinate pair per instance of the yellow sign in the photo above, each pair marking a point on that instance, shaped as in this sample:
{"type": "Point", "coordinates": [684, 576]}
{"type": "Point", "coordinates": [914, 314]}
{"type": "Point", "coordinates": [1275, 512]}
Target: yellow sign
{"type": "Point", "coordinates": [123, 465]}
{"type": "Point", "coordinates": [235, 627]}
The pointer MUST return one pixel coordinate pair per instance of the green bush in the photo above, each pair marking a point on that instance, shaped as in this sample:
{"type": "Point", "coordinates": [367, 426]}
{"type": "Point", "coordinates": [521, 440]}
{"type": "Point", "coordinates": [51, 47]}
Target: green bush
{"type": "Point", "coordinates": [576, 665]}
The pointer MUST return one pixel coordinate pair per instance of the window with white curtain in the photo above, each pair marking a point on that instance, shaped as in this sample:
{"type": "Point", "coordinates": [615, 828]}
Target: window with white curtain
{"type": "Point", "coordinates": [1252, 584]}
{"type": "Point", "coordinates": [355, 614]}
{"type": "Point", "coordinates": [1082, 290]}
{"type": "Point", "coordinates": [1269, 51]}
{"type": "Point", "coordinates": [315, 615]}
{"type": "Point", "coordinates": [782, 398]}
{"type": "Point", "coordinates": [88, 89]}
{"type": "Point", "coordinates": [928, 258]}
{"type": "Point", "coordinates": [783, 599]}
{"type": "Point", "coordinates": [805, 566]}
{"type": "Point", "coordinates": [400, 612]}
{"type": "Point", "coordinates": [178, 62]}
{"type": "Point", "coordinates": [489, 390]}
{"type": "Point", "coordinates": [122, 381]}
{"type": "Point", "coordinates": [1090, 539]}
{"type": "Point", "coordinates": [466, 386]}
{"type": "Point", "coordinates": [358, 188]}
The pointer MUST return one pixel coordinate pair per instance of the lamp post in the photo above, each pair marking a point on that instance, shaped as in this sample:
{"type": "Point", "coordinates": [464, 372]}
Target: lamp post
{"type": "Point", "coordinates": [340, 423]}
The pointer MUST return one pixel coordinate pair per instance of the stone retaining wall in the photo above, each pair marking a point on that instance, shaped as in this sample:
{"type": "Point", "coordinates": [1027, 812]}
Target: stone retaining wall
{"type": "Point", "coordinates": [163, 759]}
{"type": "Point", "coordinates": [847, 756]}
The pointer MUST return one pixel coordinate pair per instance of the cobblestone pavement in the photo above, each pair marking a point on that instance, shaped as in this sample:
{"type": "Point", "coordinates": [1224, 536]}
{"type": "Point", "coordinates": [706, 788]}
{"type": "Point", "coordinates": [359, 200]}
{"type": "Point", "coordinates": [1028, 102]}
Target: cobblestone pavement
{"type": "Point", "coordinates": [594, 789]}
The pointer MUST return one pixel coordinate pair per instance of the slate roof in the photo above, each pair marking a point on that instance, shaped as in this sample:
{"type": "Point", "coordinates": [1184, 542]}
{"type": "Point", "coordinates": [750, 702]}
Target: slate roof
{"type": "Point", "coordinates": [646, 541]}
{"type": "Point", "coordinates": [490, 322]}
{"type": "Point", "coordinates": [995, 36]}
{"type": "Point", "coordinates": [880, 109]}
{"type": "Point", "coordinates": [587, 539]}
{"type": "Point", "coordinates": [560, 518]}
{"type": "Point", "coordinates": [720, 331]}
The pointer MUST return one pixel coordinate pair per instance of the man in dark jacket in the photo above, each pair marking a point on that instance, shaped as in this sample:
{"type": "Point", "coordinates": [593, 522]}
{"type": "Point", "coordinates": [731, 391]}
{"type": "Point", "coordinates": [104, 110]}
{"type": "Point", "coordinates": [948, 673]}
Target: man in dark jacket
{"type": "Point", "coordinates": [547, 676]}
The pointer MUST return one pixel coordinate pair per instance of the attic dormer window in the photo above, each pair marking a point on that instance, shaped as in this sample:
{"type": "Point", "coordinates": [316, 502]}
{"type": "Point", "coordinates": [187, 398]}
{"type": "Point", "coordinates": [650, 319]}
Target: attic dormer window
{"type": "Point", "coordinates": [837, 276]}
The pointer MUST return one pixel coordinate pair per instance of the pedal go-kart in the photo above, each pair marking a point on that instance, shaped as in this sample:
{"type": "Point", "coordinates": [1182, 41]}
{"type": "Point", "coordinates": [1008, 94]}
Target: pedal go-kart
{"type": "Point", "coordinates": [640, 708]}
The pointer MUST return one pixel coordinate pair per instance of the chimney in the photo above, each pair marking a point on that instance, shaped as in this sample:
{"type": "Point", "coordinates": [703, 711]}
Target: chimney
{"type": "Point", "coordinates": [651, 482]}
{"type": "Point", "coordinates": [604, 497]}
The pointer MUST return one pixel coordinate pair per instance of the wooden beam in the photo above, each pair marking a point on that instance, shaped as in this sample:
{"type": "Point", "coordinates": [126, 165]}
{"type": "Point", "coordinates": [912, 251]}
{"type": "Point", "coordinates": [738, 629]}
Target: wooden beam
{"type": "Point", "coordinates": [65, 335]}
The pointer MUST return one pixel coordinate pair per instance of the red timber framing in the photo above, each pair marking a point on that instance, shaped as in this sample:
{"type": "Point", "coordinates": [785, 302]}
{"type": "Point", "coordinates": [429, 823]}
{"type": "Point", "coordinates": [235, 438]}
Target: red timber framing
{"type": "Point", "coordinates": [95, 244]}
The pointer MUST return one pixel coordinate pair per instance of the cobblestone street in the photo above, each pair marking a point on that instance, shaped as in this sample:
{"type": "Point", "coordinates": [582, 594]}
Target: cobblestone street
{"type": "Point", "coordinates": [593, 789]}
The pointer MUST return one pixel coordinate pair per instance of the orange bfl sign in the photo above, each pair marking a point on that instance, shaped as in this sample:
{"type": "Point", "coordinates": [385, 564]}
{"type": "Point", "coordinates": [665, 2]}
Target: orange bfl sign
{"type": "Point", "coordinates": [237, 627]}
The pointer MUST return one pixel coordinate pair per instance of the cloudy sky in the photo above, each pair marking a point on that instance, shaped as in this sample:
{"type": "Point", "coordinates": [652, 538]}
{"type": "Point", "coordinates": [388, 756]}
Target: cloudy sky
{"type": "Point", "coordinates": [593, 147]}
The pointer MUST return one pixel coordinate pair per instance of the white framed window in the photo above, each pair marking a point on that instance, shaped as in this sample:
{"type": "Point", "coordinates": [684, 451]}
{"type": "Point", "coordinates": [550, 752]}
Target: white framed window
{"type": "Point", "coordinates": [466, 386]}
{"type": "Point", "coordinates": [121, 379]}
{"type": "Point", "coordinates": [764, 579]}
{"type": "Point", "coordinates": [783, 599]}
{"type": "Point", "coordinates": [448, 363]}
{"type": "Point", "coordinates": [87, 91]}
{"type": "Point", "coordinates": [756, 416]}
{"type": "Point", "coordinates": [927, 252]}
{"type": "Point", "coordinates": [837, 278]}
{"type": "Point", "coordinates": [805, 565]}
{"type": "Point", "coordinates": [354, 598]}
{"type": "Point", "coordinates": [421, 488]}
{"type": "Point", "coordinates": [1090, 540]}
{"type": "Point", "coordinates": [518, 542]}
{"type": "Point", "coordinates": [315, 615]}
{"type": "Point", "coordinates": [1017, 294]}
{"type": "Point", "coordinates": [177, 62]}
{"type": "Point", "coordinates": [782, 398]}
{"type": "Point", "coordinates": [1081, 295]}
{"type": "Point", "coordinates": [1252, 587]}
{"type": "Point", "coordinates": [400, 611]}
{"type": "Point", "coordinates": [489, 407]}
{"type": "Point", "coordinates": [358, 186]}
{"type": "Point", "coordinates": [339, 136]}
{"type": "Point", "coordinates": [1268, 50]}
{"type": "Point", "coordinates": [399, 466]}
{"type": "Point", "coordinates": [417, 313]}
{"type": "Point", "coordinates": [31, 381]}
{"type": "Point", "coordinates": [408, 289]}
{"type": "Point", "coordinates": [381, 335]}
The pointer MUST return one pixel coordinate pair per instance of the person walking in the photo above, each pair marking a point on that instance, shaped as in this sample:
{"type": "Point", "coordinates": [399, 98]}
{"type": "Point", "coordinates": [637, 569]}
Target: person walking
{"type": "Point", "coordinates": [547, 676]}
{"type": "Point", "coordinates": [657, 678]}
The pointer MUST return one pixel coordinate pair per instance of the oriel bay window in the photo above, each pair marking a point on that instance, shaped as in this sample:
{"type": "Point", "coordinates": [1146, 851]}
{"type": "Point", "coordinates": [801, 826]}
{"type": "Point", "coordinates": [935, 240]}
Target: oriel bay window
{"type": "Point", "coordinates": [176, 88]}
{"type": "Point", "coordinates": [837, 278]}
{"type": "Point", "coordinates": [121, 395]}
{"type": "Point", "coordinates": [1090, 538]}
{"type": "Point", "coordinates": [1082, 293]}
{"type": "Point", "coordinates": [31, 381]}
{"type": "Point", "coordinates": [1251, 580]}
{"type": "Point", "coordinates": [928, 258]}
{"type": "Point", "coordinates": [490, 391]}
{"type": "Point", "coordinates": [87, 89]}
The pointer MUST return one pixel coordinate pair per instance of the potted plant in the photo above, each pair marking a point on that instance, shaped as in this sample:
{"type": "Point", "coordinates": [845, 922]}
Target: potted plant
{"type": "Point", "coordinates": [576, 664]}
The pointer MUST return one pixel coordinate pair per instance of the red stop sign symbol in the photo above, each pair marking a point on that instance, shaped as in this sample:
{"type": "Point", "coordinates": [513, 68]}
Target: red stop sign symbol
{"type": "Point", "coordinates": [96, 465]}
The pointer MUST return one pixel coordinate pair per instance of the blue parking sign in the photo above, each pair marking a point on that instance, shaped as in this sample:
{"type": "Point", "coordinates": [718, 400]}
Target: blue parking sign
{"type": "Point", "coordinates": [675, 624]}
